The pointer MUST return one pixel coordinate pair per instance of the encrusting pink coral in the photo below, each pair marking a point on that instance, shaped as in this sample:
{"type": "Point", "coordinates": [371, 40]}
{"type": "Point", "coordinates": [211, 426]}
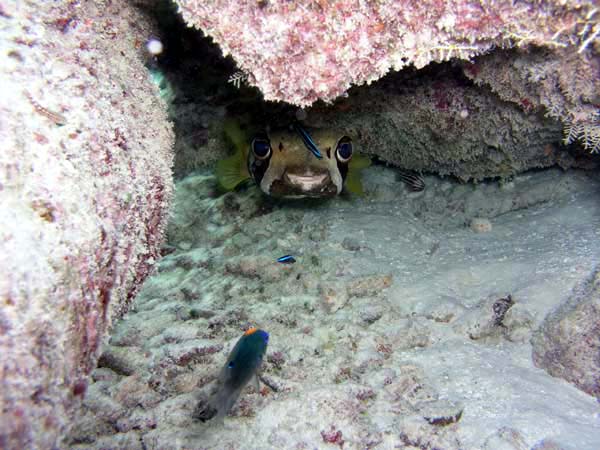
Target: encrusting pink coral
{"type": "Point", "coordinates": [85, 188]}
{"type": "Point", "coordinates": [300, 52]}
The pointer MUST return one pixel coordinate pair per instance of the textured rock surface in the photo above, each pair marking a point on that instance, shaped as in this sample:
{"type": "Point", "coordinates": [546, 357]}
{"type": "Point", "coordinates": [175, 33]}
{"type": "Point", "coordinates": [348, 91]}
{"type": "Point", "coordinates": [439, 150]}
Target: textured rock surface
{"type": "Point", "coordinates": [499, 115]}
{"type": "Point", "coordinates": [301, 52]}
{"type": "Point", "coordinates": [561, 84]}
{"type": "Point", "coordinates": [496, 115]}
{"type": "Point", "coordinates": [434, 122]}
{"type": "Point", "coordinates": [567, 344]}
{"type": "Point", "coordinates": [85, 185]}
{"type": "Point", "coordinates": [193, 77]}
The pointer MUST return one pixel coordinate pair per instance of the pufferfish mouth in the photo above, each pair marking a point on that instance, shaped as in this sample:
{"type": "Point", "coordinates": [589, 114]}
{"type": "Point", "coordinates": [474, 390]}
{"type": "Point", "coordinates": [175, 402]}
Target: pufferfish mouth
{"type": "Point", "coordinates": [304, 185]}
{"type": "Point", "coordinates": [307, 182]}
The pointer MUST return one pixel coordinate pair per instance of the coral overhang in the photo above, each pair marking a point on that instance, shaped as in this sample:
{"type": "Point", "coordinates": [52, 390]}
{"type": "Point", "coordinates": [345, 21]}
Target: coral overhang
{"type": "Point", "coordinates": [300, 52]}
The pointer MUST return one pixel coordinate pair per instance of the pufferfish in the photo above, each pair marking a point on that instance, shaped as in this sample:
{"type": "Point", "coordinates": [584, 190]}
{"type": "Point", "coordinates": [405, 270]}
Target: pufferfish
{"type": "Point", "coordinates": [293, 163]}
{"type": "Point", "coordinates": [241, 366]}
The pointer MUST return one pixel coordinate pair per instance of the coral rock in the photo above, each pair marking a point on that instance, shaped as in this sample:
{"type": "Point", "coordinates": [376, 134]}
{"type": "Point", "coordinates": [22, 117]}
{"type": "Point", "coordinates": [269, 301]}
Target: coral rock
{"type": "Point", "coordinates": [567, 344]}
{"type": "Point", "coordinates": [303, 51]}
{"type": "Point", "coordinates": [415, 122]}
{"type": "Point", "coordinates": [85, 186]}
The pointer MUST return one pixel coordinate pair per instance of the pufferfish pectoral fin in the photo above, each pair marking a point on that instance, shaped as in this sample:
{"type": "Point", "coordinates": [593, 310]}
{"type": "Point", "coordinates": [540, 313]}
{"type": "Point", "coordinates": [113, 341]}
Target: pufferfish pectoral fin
{"type": "Point", "coordinates": [236, 137]}
{"type": "Point", "coordinates": [232, 171]}
{"type": "Point", "coordinates": [353, 183]}
{"type": "Point", "coordinates": [359, 162]}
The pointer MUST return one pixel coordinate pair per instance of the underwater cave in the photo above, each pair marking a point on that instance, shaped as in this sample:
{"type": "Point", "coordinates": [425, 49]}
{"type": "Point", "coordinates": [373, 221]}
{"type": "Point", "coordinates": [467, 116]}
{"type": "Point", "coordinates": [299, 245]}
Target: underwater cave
{"type": "Point", "coordinates": [405, 254]}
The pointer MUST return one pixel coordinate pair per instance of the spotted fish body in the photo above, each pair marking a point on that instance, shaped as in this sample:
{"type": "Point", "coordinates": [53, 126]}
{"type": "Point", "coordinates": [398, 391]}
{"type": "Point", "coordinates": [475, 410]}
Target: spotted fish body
{"type": "Point", "coordinates": [241, 366]}
{"type": "Point", "coordinates": [296, 163]}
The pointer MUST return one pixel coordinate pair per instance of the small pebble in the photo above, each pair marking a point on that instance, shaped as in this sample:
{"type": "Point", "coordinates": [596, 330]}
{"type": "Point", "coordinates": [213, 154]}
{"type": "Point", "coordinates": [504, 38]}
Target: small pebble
{"type": "Point", "coordinates": [506, 438]}
{"type": "Point", "coordinates": [481, 225]}
{"type": "Point", "coordinates": [441, 413]}
{"type": "Point", "coordinates": [185, 245]}
{"type": "Point", "coordinates": [351, 244]}
{"type": "Point", "coordinates": [371, 314]}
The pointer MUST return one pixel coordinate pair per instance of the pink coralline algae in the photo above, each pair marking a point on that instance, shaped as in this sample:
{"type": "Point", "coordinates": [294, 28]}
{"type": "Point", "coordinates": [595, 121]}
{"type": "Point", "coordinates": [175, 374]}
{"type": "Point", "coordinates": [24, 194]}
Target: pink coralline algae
{"type": "Point", "coordinates": [333, 436]}
{"type": "Point", "coordinates": [85, 187]}
{"type": "Point", "coordinates": [300, 52]}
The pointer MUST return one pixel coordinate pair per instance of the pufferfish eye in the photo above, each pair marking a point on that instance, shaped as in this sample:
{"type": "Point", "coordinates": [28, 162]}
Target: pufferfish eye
{"type": "Point", "coordinates": [343, 151]}
{"type": "Point", "coordinates": [261, 148]}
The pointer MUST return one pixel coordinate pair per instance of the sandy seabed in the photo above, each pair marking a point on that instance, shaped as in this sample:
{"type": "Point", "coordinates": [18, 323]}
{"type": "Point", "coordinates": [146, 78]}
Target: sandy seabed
{"type": "Point", "coordinates": [405, 322]}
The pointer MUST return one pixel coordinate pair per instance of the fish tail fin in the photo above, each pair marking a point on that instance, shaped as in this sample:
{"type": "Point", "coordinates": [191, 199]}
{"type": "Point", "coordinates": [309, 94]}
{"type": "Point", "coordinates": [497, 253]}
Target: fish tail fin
{"type": "Point", "coordinates": [233, 170]}
{"type": "Point", "coordinates": [256, 383]}
{"type": "Point", "coordinates": [413, 180]}
{"type": "Point", "coordinates": [224, 400]}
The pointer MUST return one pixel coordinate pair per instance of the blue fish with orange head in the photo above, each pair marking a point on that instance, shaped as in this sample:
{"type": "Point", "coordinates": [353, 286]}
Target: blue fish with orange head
{"type": "Point", "coordinates": [241, 366]}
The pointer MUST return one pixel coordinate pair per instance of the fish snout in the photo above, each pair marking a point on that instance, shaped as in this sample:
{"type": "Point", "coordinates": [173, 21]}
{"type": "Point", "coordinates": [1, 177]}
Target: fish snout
{"type": "Point", "coordinates": [306, 183]}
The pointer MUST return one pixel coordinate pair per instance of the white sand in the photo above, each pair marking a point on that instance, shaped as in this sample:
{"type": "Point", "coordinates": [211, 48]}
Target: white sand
{"type": "Point", "coordinates": [356, 357]}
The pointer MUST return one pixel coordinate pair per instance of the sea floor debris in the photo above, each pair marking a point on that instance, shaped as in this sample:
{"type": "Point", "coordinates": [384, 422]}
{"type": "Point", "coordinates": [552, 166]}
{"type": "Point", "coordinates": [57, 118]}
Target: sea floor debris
{"type": "Point", "coordinates": [398, 325]}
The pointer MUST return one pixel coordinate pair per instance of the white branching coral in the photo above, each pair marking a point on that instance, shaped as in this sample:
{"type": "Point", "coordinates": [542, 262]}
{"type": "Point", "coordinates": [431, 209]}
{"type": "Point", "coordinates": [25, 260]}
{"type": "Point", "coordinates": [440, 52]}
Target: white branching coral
{"type": "Point", "coordinates": [587, 134]}
{"type": "Point", "coordinates": [238, 78]}
{"type": "Point", "coordinates": [590, 29]}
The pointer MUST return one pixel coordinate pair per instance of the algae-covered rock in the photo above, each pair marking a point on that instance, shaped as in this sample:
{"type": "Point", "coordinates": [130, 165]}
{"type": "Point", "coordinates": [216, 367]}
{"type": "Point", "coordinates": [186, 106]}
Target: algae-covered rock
{"type": "Point", "coordinates": [567, 344]}
{"type": "Point", "coordinates": [443, 125]}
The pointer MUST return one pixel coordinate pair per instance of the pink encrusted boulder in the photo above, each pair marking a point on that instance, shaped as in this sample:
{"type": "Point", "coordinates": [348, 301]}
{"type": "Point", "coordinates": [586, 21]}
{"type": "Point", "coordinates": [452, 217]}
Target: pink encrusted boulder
{"type": "Point", "coordinates": [300, 52]}
{"type": "Point", "coordinates": [85, 187]}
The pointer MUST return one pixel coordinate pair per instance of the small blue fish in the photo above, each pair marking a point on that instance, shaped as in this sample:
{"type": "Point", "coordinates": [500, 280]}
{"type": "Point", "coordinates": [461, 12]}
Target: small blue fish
{"type": "Point", "coordinates": [242, 364]}
{"type": "Point", "coordinates": [308, 142]}
{"type": "Point", "coordinates": [287, 259]}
